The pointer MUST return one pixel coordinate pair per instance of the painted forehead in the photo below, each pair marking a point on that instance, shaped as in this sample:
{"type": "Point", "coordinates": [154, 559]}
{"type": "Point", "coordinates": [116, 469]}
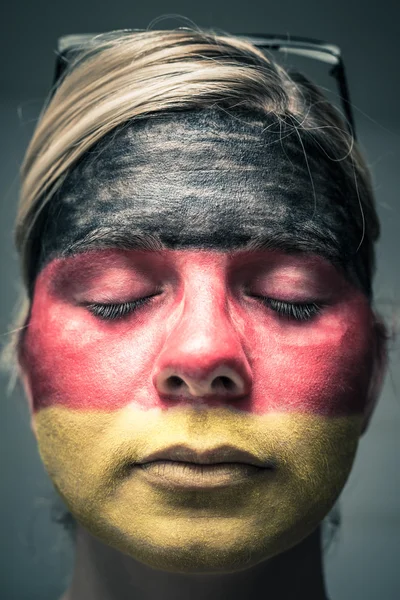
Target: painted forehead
{"type": "Point", "coordinates": [204, 179]}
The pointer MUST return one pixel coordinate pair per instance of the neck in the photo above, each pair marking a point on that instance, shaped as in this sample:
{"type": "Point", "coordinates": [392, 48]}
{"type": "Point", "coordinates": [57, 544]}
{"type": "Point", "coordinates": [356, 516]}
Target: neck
{"type": "Point", "coordinates": [102, 573]}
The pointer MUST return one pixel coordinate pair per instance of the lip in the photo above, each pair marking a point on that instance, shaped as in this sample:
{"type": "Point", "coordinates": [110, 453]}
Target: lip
{"type": "Point", "coordinates": [210, 456]}
{"type": "Point", "coordinates": [186, 468]}
{"type": "Point", "coordinates": [191, 476]}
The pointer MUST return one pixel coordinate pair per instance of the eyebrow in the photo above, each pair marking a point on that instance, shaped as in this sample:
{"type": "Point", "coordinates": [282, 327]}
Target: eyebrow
{"type": "Point", "coordinates": [303, 242]}
{"type": "Point", "coordinates": [107, 237]}
{"type": "Point", "coordinates": [308, 242]}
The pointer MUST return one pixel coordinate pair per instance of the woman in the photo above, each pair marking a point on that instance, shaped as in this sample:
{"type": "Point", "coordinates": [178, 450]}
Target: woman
{"type": "Point", "coordinates": [198, 343]}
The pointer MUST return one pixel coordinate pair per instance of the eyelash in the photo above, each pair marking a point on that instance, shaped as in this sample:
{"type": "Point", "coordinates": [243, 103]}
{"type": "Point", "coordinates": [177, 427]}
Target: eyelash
{"type": "Point", "coordinates": [110, 312]}
{"type": "Point", "coordinates": [288, 310]}
{"type": "Point", "coordinates": [293, 310]}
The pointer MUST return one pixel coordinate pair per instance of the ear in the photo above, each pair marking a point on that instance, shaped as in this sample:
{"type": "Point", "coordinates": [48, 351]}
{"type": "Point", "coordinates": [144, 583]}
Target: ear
{"type": "Point", "coordinates": [379, 369]}
{"type": "Point", "coordinates": [26, 383]}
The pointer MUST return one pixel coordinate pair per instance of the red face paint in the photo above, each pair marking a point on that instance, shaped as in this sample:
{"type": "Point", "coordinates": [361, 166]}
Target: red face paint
{"type": "Point", "coordinates": [207, 310]}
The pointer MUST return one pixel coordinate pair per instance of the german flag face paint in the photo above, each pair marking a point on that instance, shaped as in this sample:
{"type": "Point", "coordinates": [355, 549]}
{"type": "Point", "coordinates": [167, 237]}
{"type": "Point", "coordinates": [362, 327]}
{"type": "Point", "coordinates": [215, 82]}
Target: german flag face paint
{"type": "Point", "coordinates": [195, 291]}
{"type": "Point", "coordinates": [209, 179]}
{"type": "Point", "coordinates": [130, 352]}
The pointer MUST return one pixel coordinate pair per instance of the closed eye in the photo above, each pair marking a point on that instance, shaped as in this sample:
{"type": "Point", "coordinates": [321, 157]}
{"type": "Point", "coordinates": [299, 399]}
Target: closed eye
{"type": "Point", "coordinates": [297, 311]}
{"type": "Point", "coordinates": [112, 311]}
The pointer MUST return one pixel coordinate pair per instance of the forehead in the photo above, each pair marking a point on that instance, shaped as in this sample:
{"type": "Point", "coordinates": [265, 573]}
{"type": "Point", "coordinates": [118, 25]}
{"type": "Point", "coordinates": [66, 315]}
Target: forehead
{"type": "Point", "coordinates": [203, 178]}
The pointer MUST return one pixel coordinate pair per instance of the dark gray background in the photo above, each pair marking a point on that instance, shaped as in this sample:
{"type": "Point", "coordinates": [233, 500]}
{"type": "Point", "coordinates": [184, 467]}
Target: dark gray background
{"type": "Point", "coordinates": [363, 563]}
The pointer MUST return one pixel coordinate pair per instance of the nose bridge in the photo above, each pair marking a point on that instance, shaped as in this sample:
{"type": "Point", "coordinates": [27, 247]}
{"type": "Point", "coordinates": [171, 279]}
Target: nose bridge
{"type": "Point", "coordinates": [205, 301]}
{"type": "Point", "coordinates": [203, 353]}
{"type": "Point", "coordinates": [205, 325]}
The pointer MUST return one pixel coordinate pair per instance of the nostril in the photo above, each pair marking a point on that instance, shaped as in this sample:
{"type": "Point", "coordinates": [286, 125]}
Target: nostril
{"type": "Point", "coordinates": [198, 384]}
{"type": "Point", "coordinates": [225, 383]}
{"type": "Point", "coordinates": [174, 382]}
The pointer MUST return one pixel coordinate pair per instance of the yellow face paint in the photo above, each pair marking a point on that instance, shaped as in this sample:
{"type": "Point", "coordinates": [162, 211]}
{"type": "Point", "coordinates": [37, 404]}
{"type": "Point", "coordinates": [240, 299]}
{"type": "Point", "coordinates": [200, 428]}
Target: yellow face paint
{"type": "Point", "coordinates": [87, 455]}
{"type": "Point", "coordinates": [200, 361]}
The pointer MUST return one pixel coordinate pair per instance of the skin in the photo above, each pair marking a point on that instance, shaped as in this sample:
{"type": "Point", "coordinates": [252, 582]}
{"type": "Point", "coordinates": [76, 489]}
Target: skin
{"type": "Point", "coordinates": [102, 573]}
{"type": "Point", "coordinates": [201, 322]}
{"type": "Point", "coordinates": [103, 391]}
{"type": "Point", "coordinates": [206, 179]}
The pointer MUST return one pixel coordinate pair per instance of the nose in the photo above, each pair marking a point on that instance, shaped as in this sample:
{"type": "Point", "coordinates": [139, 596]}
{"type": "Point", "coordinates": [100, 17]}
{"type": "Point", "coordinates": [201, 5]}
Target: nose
{"type": "Point", "coordinates": [203, 355]}
{"type": "Point", "coordinates": [216, 380]}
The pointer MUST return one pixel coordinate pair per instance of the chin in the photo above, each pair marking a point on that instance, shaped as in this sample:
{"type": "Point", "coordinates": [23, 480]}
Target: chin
{"type": "Point", "coordinates": [204, 546]}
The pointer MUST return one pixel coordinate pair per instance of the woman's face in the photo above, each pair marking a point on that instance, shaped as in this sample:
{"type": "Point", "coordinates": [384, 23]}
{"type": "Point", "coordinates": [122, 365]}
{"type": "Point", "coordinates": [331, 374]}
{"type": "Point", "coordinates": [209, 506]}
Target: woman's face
{"type": "Point", "coordinates": [130, 351]}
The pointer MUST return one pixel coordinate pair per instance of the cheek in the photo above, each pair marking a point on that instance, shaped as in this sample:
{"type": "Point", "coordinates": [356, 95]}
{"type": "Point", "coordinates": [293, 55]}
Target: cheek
{"type": "Point", "coordinates": [79, 362]}
{"type": "Point", "coordinates": [320, 367]}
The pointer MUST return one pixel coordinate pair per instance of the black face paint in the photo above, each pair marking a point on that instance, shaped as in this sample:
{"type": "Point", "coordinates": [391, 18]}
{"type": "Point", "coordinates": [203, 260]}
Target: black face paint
{"type": "Point", "coordinates": [205, 179]}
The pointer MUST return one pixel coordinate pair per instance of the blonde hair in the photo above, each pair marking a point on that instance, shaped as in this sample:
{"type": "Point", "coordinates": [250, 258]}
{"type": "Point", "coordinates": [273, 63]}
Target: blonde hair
{"type": "Point", "coordinates": [126, 75]}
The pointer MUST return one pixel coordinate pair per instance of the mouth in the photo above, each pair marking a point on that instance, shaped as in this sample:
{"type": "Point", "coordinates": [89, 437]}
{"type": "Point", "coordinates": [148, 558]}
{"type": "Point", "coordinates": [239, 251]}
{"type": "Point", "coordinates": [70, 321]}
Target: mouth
{"type": "Point", "coordinates": [183, 467]}
{"type": "Point", "coordinates": [210, 456]}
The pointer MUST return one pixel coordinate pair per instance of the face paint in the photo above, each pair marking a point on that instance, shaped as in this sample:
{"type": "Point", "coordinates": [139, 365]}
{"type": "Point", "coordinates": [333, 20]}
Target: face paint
{"type": "Point", "coordinates": [101, 365]}
{"type": "Point", "coordinates": [205, 179]}
{"type": "Point", "coordinates": [98, 406]}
